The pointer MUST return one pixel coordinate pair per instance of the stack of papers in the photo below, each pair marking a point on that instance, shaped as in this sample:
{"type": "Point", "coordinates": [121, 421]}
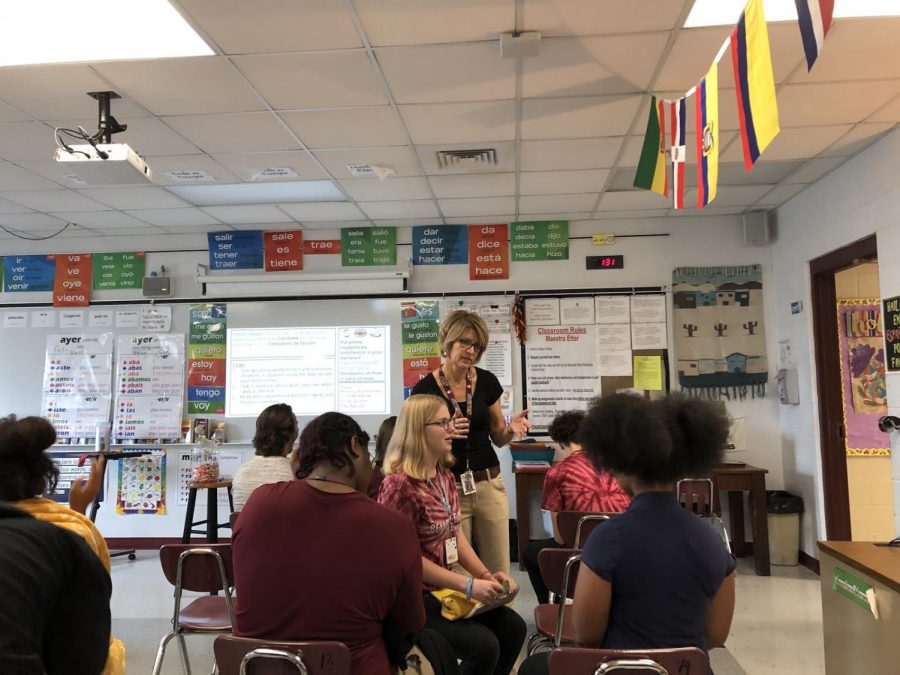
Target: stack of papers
{"type": "Point", "coordinates": [531, 464]}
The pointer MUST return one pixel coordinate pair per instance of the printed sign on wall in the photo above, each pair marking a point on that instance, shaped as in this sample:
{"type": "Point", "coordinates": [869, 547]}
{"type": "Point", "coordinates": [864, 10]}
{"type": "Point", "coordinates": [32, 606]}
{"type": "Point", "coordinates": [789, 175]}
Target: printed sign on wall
{"type": "Point", "coordinates": [419, 341]}
{"type": "Point", "coordinates": [72, 281]}
{"type": "Point", "coordinates": [540, 240]}
{"type": "Point", "coordinates": [283, 251]}
{"type": "Point", "coordinates": [22, 273]}
{"type": "Point", "coordinates": [206, 348]}
{"type": "Point", "coordinates": [488, 252]}
{"type": "Point", "coordinates": [440, 245]}
{"type": "Point", "coordinates": [235, 250]}
{"type": "Point", "coordinates": [367, 246]}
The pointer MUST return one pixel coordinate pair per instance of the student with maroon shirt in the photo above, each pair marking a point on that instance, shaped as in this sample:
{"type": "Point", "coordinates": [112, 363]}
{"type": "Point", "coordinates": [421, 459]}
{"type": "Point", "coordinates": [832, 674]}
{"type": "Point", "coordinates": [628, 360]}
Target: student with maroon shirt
{"type": "Point", "coordinates": [316, 559]}
{"type": "Point", "coordinates": [419, 484]}
{"type": "Point", "coordinates": [574, 484]}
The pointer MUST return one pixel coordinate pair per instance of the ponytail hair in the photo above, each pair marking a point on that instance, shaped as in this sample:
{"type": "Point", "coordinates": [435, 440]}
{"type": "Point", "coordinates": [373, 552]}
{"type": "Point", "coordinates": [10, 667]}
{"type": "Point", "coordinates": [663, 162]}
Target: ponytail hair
{"type": "Point", "coordinates": [654, 441]}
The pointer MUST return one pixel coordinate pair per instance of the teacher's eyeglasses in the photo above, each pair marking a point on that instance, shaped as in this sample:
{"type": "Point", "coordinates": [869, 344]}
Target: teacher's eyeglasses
{"type": "Point", "coordinates": [447, 423]}
{"type": "Point", "coordinates": [468, 344]}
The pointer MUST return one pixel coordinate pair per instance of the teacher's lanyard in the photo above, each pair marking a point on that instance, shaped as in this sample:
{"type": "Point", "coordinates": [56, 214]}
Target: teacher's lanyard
{"type": "Point", "coordinates": [448, 391]}
{"type": "Point", "coordinates": [442, 495]}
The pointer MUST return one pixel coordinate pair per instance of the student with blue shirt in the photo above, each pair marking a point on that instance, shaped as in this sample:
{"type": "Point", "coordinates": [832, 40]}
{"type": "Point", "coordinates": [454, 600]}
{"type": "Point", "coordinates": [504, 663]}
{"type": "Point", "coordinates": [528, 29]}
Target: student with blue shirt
{"type": "Point", "coordinates": [657, 576]}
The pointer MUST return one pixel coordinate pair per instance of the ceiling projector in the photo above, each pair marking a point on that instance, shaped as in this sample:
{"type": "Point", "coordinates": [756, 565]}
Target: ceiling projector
{"type": "Point", "coordinates": [104, 164]}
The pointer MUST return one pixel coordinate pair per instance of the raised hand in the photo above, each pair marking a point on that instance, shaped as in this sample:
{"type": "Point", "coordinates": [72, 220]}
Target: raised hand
{"type": "Point", "coordinates": [81, 492]}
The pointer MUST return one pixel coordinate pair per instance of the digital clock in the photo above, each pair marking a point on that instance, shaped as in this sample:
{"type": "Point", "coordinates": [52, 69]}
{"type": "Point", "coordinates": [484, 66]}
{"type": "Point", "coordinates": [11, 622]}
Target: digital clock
{"type": "Point", "coordinates": [604, 262]}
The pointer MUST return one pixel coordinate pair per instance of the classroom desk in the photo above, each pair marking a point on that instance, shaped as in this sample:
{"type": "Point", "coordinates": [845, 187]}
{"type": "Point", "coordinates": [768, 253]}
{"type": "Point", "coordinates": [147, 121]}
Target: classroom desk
{"type": "Point", "coordinates": [855, 641]}
{"type": "Point", "coordinates": [733, 479]}
{"type": "Point", "coordinates": [526, 483]}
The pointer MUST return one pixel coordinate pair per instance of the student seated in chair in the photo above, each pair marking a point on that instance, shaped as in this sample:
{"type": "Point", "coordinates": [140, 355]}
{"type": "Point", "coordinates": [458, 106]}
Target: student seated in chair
{"type": "Point", "coordinates": [574, 484]}
{"type": "Point", "coordinates": [657, 576]}
{"type": "Point", "coordinates": [316, 559]}
{"type": "Point", "coordinates": [276, 431]}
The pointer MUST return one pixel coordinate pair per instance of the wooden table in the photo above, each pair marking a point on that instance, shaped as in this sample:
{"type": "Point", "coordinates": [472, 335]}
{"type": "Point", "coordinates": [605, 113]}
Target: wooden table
{"type": "Point", "coordinates": [526, 483]}
{"type": "Point", "coordinates": [733, 479]}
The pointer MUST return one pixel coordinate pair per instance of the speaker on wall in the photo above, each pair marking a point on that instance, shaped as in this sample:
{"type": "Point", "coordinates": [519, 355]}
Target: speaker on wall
{"type": "Point", "coordinates": [757, 229]}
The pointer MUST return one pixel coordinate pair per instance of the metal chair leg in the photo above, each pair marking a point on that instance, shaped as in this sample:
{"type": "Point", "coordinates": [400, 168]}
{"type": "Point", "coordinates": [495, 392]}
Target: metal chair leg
{"type": "Point", "coordinates": [161, 653]}
{"type": "Point", "coordinates": [185, 662]}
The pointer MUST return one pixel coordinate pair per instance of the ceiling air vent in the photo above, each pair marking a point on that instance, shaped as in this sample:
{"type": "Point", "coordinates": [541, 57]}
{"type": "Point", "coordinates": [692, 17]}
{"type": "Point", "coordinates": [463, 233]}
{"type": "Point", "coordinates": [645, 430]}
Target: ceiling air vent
{"type": "Point", "coordinates": [482, 157]}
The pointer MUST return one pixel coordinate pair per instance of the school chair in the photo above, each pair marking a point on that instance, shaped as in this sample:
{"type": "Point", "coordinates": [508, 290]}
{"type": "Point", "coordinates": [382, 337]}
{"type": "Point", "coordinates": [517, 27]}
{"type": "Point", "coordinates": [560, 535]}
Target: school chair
{"type": "Point", "coordinates": [575, 526]}
{"type": "Point", "coordinates": [553, 621]}
{"type": "Point", "coordinates": [201, 568]}
{"type": "Point", "coordinates": [697, 495]}
{"type": "Point", "coordinates": [675, 661]}
{"type": "Point", "coordinates": [247, 656]}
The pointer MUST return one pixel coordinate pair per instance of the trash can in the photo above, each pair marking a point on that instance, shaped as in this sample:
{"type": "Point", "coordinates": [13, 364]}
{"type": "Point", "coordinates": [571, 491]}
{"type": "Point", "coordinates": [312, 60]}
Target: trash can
{"type": "Point", "coordinates": [783, 511]}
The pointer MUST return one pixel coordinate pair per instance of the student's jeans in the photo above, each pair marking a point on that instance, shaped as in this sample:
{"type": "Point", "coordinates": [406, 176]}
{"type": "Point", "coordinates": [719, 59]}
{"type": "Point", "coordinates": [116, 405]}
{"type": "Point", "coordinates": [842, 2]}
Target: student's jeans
{"type": "Point", "coordinates": [486, 644]}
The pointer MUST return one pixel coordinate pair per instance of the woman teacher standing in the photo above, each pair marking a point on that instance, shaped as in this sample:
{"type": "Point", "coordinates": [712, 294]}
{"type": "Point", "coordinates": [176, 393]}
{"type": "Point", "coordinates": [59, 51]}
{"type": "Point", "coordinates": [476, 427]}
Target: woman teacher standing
{"type": "Point", "coordinates": [473, 400]}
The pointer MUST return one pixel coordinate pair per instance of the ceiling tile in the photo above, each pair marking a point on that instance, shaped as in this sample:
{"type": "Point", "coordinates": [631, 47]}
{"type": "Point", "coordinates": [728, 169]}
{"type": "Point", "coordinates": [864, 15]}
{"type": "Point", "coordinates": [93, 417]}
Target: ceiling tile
{"type": "Point", "coordinates": [739, 195]}
{"type": "Point", "coordinates": [460, 122]}
{"type": "Point", "coordinates": [734, 173]}
{"type": "Point", "coordinates": [407, 222]}
{"type": "Point", "coordinates": [332, 225]}
{"type": "Point", "coordinates": [632, 199]}
{"type": "Point", "coordinates": [832, 103]}
{"type": "Point", "coordinates": [582, 117]}
{"type": "Point", "coordinates": [141, 228]}
{"type": "Point", "coordinates": [505, 152]}
{"type": "Point", "coordinates": [68, 233]}
{"type": "Point", "coordinates": [411, 22]}
{"type": "Point", "coordinates": [444, 73]}
{"type": "Point", "coordinates": [52, 91]}
{"type": "Point", "coordinates": [561, 182]}
{"type": "Point", "coordinates": [557, 203]}
{"type": "Point", "coordinates": [166, 169]}
{"type": "Point", "coordinates": [588, 17]}
{"type": "Point", "coordinates": [314, 80]}
{"type": "Point", "coordinates": [331, 211]}
{"type": "Point", "coordinates": [706, 212]}
{"type": "Point", "coordinates": [275, 25]}
{"type": "Point", "coordinates": [32, 221]}
{"type": "Point", "coordinates": [123, 198]}
{"type": "Point", "coordinates": [588, 66]}
{"type": "Point", "coordinates": [240, 132]}
{"type": "Point", "coordinates": [26, 140]}
{"type": "Point", "coordinates": [10, 114]}
{"type": "Point", "coordinates": [55, 200]}
{"type": "Point", "coordinates": [261, 192]}
{"type": "Point", "coordinates": [793, 143]}
{"type": "Point", "coordinates": [7, 206]}
{"type": "Point", "coordinates": [147, 136]}
{"type": "Point", "coordinates": [889, 113]}
{"type": "Point", "coordinates": [857, 49]}
{"type": "Point", "coordinates": [347, 128]}
{"type": "Point", "coordinates": [859, 137]}
{"type": "Point", "coordinates": [13, 177]}
{"type": "Point", "coordinates": [245, 214]}
{"type": "Point", "coordinates": [102, 220]}
{"type": "Point", "coordinates": [779, 195]}
{"type": "Point", "coordinates": [420, 208]}
{"type": "Point", "coordinates": [247, 165]}
{"type": "Point", "coordinates": [392, 188]}
{"type": "Point", "coordinates": [476, 185]}
{"type": "Point", "coordinates": [401, 160]}
{"type": "Point", "coordinates": [636, 213]}
{"type": "Point", "coordinates": [185, 217]}
{"type": "Point", "coordinates": [195, 229]}
{"type": "Point", "coordinates": [814, 169]}
{"type": "Point", "coordinates": [453, 208]}
{"type": "Point", "coordinates": [587, 153]}
{"type": "Point", "coordinates": [623, 179]}
{"type": "Point", "coordinates": [189, 86]}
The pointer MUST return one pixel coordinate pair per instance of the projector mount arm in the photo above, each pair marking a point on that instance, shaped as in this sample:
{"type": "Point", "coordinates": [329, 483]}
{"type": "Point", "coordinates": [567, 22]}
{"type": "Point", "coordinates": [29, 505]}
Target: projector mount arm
{"type": "Point", "coordinates": [106, 126]}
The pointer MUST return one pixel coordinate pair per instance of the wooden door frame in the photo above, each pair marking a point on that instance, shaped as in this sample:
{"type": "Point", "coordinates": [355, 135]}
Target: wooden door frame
{"type": "Point", "coordinates": [827, 356]}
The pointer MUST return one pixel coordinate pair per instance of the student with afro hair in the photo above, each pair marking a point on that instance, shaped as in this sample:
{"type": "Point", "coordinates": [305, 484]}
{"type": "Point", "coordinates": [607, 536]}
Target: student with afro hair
{"type": "Point", "coordinates": [657, 576]}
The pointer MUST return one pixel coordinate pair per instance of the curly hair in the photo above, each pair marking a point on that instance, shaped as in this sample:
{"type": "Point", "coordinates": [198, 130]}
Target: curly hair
{"type": "Point", "coordinates": [328, 439]}
{"type": "Point", "coordinates": [25, 471]}
{"type": "Point", "coordinates": [382, 438]}
{"type": "Point", "coordinates": [276, 427]}
{"type": "Point", "coordinates": [654, 441]}
{"type": "Point", "coordinates": [564, 427]}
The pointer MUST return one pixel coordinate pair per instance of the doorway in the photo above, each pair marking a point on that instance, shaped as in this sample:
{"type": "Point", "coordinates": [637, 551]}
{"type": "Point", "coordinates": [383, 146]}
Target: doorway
{"type": "Point", "coordinates": [857, 489]}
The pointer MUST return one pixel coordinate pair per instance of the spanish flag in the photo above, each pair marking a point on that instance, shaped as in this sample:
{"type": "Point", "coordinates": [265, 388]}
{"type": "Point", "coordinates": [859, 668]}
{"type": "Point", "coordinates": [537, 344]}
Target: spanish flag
{"type": "Point", "coordinates": [754, 82]}
{"type": "Point", "coordinates": [651, 172]}
{"type": "Point", "coordinates": [707, 117]}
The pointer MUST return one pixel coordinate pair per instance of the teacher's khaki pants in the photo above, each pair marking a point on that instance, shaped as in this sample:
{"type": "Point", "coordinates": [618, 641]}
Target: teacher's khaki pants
{"type": "Point", "coordinates": [485, 522]}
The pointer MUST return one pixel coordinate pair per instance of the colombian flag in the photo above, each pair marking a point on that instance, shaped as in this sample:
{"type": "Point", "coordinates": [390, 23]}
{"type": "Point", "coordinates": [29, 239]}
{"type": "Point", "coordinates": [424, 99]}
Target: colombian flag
{"type": "Point", "coordinates": [707, 97]}
{"type": "Point", "coordinates": [651, 172]}
{"type": "Point", "coordinates": [754, 82]}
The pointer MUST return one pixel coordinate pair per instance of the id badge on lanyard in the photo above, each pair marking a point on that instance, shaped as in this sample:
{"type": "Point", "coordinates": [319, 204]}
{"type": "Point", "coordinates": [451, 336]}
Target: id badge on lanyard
{"type": "Point", "coordinates": [451, 550]}
{"type": "Point", "coordinates": [467, 478]}
{"type": "Point", "coordinates": [467, 481]}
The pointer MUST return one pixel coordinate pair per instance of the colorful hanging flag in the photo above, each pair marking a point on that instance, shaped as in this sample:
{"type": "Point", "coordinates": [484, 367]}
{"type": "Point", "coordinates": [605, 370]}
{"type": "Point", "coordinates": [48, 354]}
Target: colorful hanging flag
{"type": "Point", "coordinates": [708, 136]}
{"type": "Point", "coordinates": [677, 119]}
{"type": "Point", "coordinates": [754, 82]}
{"type": "Point", "coordinates": [651, 171]}
{"type": "Point", "coordinates": [814, 17]}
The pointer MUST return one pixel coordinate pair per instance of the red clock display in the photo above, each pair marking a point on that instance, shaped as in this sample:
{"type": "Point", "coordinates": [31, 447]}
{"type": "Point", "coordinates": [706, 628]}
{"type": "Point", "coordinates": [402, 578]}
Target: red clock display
{"type": "Point", "coordinates": [604, 262]}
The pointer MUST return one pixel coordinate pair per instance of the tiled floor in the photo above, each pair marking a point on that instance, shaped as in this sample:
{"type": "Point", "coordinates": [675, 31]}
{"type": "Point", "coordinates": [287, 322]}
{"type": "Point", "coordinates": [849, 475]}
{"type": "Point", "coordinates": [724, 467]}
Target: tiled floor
{"type": "Point", "coordinates": [777, 627]}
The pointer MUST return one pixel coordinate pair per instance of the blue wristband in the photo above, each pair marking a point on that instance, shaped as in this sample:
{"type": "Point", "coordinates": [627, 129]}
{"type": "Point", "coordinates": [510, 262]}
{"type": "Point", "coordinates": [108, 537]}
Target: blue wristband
{"type": "Point", "coordinates": [469, 582]}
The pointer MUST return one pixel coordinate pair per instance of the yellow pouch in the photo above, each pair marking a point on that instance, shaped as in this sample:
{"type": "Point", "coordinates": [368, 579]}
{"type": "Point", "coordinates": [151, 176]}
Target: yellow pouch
{"type": "Point", "coordinates": [454, 604]}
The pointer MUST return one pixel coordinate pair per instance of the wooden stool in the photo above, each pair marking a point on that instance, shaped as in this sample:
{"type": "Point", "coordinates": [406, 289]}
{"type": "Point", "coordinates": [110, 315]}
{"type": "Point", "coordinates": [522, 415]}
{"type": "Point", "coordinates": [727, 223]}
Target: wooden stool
{"type": "Point", "coordinates": [212, 511]}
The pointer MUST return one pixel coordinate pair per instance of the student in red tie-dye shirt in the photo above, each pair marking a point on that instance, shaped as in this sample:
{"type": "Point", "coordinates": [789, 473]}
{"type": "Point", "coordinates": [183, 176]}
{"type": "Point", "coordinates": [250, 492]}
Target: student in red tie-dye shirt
{"type": "Point", "coordinates": [574, 484]}
{"type": "Point", "coordinates": [418, 483]}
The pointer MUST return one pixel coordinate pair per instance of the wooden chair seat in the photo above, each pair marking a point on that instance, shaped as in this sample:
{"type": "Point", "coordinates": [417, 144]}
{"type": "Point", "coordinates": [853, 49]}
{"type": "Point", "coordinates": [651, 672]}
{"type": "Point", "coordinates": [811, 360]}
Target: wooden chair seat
{"type": "Point", "coordinates": [209, 613]}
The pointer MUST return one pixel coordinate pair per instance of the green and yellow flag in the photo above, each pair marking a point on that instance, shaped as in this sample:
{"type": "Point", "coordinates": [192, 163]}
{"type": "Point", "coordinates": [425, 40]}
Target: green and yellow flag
{"type": "Point", "coordinates": [652, 173]}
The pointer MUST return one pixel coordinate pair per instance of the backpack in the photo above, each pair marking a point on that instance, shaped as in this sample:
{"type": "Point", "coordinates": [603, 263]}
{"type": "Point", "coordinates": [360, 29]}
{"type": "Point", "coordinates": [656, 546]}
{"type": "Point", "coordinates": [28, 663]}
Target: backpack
{"type": "Point", "coordinates": [431, 655]}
